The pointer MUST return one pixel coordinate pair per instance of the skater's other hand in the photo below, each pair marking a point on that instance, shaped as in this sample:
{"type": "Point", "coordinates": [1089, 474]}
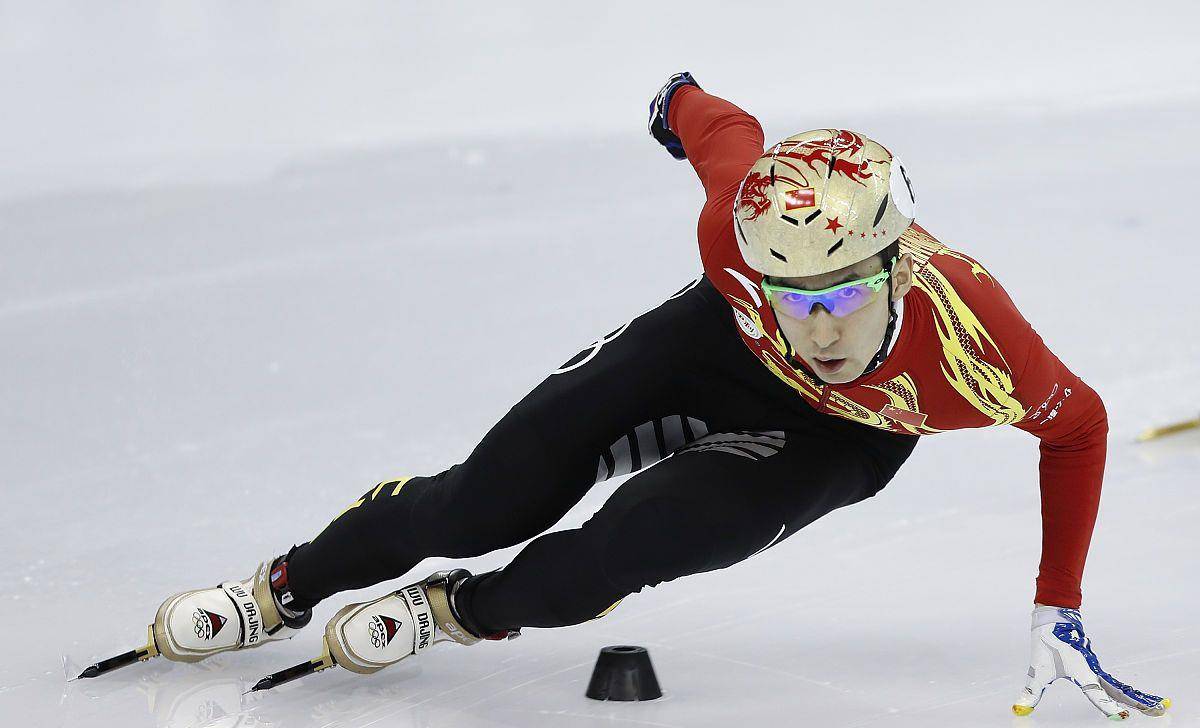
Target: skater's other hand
{"type": "Point", "coordinates": [659, 128]}
{"type": "Point", "coordinates": [1060, 649]}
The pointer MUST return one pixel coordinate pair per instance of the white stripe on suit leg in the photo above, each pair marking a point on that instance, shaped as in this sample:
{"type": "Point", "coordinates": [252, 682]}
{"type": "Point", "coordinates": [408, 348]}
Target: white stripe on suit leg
{"type": "Point", "coordinates": [647, 444]}
{"type": "Point", "coordinates": [673, 438]}
{"type": "Point", "coordinates": [622, 457]}
{"type": "Point", "coordinates": [772, 543]}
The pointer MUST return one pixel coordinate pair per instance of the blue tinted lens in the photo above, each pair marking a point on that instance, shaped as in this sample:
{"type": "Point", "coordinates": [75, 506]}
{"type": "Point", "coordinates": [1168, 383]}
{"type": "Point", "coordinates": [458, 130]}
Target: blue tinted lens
{"type": "Point", "coordinates": [845, 301]}
{"type": "Point", "coordinates": [842, 302]}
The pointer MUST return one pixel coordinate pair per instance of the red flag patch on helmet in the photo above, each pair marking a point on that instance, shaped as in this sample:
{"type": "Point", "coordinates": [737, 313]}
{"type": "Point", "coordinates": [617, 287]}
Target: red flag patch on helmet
{"type": "Point", "coordinates": [802, 197]}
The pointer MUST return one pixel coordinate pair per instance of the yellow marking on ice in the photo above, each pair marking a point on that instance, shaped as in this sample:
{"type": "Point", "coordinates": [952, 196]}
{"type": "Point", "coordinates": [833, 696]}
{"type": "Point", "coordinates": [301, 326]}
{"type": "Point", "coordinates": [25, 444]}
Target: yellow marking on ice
{"type": "Point", "coordinates": [1156, 432]}
{"type": "Point", "coordinates": [1022, 709]}
{"type": "Point", "coordinates": [400, 484]}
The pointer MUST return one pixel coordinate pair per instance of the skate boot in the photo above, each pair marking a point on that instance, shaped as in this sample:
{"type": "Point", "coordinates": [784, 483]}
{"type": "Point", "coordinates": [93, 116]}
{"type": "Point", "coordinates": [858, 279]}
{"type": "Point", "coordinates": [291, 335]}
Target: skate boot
{"type": "Point", "coordinates": [231, 616]}
{"type": "Point", "coordinates": [369, 636]}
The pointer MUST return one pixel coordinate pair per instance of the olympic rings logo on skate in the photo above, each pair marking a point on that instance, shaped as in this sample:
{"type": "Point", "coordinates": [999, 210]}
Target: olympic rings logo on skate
{"type": "Point", "coordinates": [207, 624]}
{"type": "Point", "coordinates": [382, 629]}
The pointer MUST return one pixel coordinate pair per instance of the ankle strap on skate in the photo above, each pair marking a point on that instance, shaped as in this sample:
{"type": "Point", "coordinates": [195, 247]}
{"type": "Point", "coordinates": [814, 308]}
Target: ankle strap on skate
{"type": "Point", "coordinates": [441, 588]}
{"type": "Point", "coordinates": [278, 591]}
{"type": "Point", "coordinates": [248, 612]}
{"type": "Point", "coordinates": [279, 583]}
{"type": "Point", "coordinates": [437, 587]}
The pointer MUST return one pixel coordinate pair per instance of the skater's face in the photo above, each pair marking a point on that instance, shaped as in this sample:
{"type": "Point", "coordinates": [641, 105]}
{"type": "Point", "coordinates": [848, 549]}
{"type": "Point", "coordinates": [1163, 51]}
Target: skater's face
{"type": "Point", "coordinates": [838, 349]}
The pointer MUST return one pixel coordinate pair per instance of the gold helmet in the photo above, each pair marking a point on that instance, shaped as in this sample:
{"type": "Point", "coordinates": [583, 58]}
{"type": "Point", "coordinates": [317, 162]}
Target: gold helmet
{"type": "Point", "coordinates": [819, 201]}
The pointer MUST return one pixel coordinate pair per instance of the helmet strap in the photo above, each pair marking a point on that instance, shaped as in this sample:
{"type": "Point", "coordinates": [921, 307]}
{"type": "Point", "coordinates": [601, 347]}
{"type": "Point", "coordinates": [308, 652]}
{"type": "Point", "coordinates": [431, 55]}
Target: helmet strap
{"type": "Point", "coordinates": [890, 331]}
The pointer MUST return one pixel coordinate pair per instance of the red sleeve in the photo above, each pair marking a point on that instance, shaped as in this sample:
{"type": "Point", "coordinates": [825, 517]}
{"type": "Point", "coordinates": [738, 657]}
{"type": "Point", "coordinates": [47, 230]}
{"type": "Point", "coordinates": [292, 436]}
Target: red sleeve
{"type": "Point", "coordinates": [1060, 410]}
{"type": "Point", "coordinates": [1069, 418]}
{"type": "Point", "coordinates": [722, 143]}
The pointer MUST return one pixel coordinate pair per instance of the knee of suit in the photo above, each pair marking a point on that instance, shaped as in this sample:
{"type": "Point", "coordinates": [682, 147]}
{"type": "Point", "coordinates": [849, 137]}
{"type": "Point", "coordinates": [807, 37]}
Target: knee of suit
{"type": "Point", "coordinates": [654, 541]}
{"type": "Point", "coordinates": [573, 576]}
{"type": "Point", "coordinates": [557, 580]}
{"type": "Point", "coordinates": [584, 572]}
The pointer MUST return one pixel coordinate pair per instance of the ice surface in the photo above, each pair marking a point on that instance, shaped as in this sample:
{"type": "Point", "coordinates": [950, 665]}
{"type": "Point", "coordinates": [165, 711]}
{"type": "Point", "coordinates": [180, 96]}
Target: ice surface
{"type": "Point", "coordinates": [195, 376]}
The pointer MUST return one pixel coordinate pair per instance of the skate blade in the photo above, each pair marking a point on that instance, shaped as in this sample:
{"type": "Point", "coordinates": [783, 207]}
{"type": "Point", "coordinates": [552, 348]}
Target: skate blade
{"type": "Point", "coordinates": [141, 654]}
{"type": "Point", "coordinates": [275, 679]}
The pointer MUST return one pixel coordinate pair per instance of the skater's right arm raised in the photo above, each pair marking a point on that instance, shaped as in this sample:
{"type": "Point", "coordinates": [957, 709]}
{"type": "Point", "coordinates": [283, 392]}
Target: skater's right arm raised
{"type": "Point", "coordinates": [721, 141]}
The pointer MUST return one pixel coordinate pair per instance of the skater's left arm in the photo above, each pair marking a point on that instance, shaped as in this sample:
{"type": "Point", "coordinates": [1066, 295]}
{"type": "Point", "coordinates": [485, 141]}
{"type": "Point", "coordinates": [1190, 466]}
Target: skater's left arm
{"type": "Point", "coordinates": [1069, 418]}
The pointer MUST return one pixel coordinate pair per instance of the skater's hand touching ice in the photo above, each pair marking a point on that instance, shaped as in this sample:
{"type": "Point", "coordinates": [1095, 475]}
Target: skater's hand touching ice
{"type": "Point", "coordinates": [1062, 650]}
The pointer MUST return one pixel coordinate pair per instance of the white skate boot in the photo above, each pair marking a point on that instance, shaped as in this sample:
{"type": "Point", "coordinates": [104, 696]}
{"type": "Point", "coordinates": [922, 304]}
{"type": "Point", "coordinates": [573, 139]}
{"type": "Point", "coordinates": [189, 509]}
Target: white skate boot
{"type": "Point", "coordinates": [369, 636]}
{"type": "Point", "coordinates": [232, 616]}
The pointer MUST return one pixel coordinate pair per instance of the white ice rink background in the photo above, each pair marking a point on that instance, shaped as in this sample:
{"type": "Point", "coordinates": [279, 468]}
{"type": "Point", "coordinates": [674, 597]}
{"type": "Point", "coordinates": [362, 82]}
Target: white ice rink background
{"type": "Point", "coordinates": [255, 259]}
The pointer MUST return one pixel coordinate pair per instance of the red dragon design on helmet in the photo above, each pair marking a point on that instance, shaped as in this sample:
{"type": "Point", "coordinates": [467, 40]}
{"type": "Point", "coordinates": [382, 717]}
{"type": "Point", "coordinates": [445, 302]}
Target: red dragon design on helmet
{"type": "Point", "coordinates": [816, 155]}
{"type": "Point", "coordinates": [753, 195]}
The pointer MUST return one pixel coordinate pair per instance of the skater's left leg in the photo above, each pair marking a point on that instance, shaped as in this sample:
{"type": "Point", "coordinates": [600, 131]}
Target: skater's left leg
{"type": "Point", "coordinates": [716, 503]}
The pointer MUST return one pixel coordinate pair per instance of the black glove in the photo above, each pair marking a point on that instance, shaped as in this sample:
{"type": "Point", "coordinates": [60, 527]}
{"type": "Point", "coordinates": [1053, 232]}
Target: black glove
{"type": "Point", "coordinates": [658, 114]}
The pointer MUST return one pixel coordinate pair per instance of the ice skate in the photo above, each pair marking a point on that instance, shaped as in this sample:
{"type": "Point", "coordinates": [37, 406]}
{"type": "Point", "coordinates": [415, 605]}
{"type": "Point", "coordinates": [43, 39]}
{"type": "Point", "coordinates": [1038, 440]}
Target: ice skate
{"type": "Point", "coordinates": [234, 615]}
{"type": "Point", "coordinates": [368, 636]}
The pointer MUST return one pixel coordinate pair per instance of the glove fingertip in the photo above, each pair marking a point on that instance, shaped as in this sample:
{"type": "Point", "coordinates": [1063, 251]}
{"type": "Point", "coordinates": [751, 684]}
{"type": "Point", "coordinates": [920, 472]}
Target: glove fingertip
{"type": "Point", "coordinates": [1158, 709]}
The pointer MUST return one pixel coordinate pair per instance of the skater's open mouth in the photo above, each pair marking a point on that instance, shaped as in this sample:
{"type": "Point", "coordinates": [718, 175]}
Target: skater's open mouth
{"type": "Point", "coordinates": [828, 366]}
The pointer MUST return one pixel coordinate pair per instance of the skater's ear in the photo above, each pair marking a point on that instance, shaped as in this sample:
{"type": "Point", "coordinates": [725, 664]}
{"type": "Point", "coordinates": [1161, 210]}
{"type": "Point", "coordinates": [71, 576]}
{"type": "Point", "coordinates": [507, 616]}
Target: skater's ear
{"type": "Point", "coordinates": [902, 276]}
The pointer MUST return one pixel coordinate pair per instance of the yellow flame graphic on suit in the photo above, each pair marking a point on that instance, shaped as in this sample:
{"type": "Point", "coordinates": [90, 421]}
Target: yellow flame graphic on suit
{"type": "Point", "coordinates": [987, 387]}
